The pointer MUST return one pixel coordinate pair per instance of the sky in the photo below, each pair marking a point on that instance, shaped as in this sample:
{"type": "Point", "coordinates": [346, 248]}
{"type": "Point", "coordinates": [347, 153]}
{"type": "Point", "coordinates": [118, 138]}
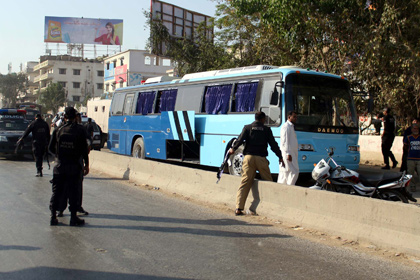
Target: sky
{"type": "Point", "coordinates": [22, 24]}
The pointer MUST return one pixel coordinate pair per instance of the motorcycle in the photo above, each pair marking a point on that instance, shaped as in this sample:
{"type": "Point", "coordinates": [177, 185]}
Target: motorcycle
{"type": "Point", "coordinates": [387, 186]}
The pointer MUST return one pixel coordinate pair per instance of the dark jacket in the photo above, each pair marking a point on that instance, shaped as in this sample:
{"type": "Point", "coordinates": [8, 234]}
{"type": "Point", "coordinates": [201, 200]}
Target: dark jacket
{"type": "Point", "coordinates": [69, 144]}
{"type": "Point", "coordinates": [40, 132]}
{"type": "Point", "coordinates": [389, 125]}
{"type": "Point", "coordinates": [257, 136]}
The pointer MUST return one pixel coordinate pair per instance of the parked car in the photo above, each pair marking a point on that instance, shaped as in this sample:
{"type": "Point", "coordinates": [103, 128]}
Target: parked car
{"type": "Point", "coordinates": [13, 124]}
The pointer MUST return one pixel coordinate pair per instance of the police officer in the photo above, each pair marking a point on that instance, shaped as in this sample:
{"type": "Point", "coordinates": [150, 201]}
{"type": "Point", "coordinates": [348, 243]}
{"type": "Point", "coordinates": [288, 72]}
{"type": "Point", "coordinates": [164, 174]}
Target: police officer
{"type": "Point", "coordinates": [256, 137]}
{"type": "Point", "coordinates": [388, 139]}
{"type": "Point", "coordinates": [40, 139]}
{"type": "Point", "coordinates": [69, 144]}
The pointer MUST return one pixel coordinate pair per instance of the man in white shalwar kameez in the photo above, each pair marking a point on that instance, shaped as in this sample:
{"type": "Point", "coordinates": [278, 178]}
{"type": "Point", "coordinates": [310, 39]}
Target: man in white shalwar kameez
{"type": "Point", "coordinates": [289, 171]}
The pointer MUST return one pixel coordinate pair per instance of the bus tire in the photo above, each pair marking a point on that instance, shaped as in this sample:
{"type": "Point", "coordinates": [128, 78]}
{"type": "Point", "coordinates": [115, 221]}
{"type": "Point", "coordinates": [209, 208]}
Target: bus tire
{"type": "Point", "coordinates": [236, 159]}
{"type": "Point", "coordinates": [138, 148]}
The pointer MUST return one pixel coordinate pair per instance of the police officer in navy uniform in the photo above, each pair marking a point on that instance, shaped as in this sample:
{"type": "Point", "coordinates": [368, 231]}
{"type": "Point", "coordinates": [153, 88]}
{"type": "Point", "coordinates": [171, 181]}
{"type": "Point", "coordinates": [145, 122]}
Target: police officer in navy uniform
{"type": "Point", "coordinates": [388, 137]}
{"type": "Point", "coordinates": [69, 144]}
{"type": "Point", "coordinates": [40, 139]}
{"type": "Point", "coordinates": [256, 137]}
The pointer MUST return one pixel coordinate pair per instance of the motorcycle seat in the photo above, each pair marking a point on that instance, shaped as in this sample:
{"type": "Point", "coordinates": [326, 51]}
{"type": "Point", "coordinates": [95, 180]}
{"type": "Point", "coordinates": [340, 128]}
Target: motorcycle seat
{"type": "Point", "coordinates": [376, 180]}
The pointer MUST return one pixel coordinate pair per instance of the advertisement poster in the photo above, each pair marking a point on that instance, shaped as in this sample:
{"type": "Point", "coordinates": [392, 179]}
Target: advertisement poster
{"type": "Point", "coordinates": [71, 30]}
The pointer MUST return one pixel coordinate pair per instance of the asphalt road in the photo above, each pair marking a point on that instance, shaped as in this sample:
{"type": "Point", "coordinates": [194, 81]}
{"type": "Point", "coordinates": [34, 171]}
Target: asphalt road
{"type": "Point", "coordinates": [139, 233]}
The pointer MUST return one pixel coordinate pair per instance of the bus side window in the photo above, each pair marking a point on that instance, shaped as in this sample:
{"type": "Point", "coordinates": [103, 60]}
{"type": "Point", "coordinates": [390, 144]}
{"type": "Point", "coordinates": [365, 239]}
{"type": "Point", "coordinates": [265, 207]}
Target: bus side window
{"type": "Point", "coordinates": [128, 104]}
{"type": "Point", "coordinates": [166, 100]}
{"type": "Point", "coordinates": [216, 99]}
{"type": "Point", "coordinates": [157, 106]}
{"type": "Point", "coordinates": [244, 97]}
{"type": "Point", "coordinates": [117, 104]}
{"type": "Point", "coordinates": [145, 102]}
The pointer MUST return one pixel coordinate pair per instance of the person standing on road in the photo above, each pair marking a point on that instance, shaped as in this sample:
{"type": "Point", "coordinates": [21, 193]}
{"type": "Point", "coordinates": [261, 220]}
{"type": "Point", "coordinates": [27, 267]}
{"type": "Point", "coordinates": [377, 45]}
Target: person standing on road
{"type": "Point", "coordinates": [69, 144]}
{"type": "Point", "coordinates": [256, 136]}
{"type": "Point", "coordinates": [388, 139]}
{"type": "Point", "coordinates": [289, 171]}
{"type": "Point", "coordinates": [412, 145]}
{"type": "Point", "coordinates": [405, 151]}
{"type": "Point", "coordinates": [40, 139]}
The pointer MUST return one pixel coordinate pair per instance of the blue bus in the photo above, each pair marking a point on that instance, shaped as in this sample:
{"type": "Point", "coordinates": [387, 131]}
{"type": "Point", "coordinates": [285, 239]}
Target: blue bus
{"type": "Point", "coordinates": [193, 118]}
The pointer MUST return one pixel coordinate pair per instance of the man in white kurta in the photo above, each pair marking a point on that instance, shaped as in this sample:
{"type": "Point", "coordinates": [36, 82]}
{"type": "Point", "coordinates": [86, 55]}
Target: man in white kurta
{"type": "Point", "coordinates": [289, 172]}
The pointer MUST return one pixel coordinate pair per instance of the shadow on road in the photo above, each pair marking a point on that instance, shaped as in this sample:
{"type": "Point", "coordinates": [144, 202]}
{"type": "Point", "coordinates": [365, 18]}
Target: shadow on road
{"type": "Point", "coordinates": [62, 273]}
{"type": "Point", "coordinates": [211, 222]}
{"type": "Point", "coordinates": [18, 247]}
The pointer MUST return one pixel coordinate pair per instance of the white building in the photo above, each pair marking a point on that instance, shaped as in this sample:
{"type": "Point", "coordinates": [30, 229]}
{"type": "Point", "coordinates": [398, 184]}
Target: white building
{"type": "Point", "coordinates": [131, 67]}
{"type": "Point", "coordinates": [81, 78]}
{"type": "Point", "coordinates": [32, 86]}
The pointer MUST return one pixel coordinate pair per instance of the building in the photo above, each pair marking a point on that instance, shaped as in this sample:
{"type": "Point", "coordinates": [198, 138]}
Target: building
{"type": "Point", "coordinates": [131, 67]}
{"type": "Point", "coordinates": [81, 78]}
{"type": "Point", "coordinates": [32, 86]}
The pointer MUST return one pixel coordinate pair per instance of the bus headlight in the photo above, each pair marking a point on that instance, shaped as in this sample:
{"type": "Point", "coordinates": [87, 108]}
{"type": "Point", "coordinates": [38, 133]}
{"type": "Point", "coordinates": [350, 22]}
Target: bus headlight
{"type": "Point", "coordinates": [3, 139]}
{"type": "Point", "coordinates": [353, 148]}
{"type": "Point", "coordinates": [306, 147]}
{"type": "Point", "coordinates": [303, 157]}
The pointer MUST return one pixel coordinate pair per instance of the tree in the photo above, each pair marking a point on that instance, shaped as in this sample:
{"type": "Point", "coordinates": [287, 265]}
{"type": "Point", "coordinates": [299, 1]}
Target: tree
{"type": "Point", "coordinates": [11, 85]}
{"type": "Point", "coordinates": [53, 97]}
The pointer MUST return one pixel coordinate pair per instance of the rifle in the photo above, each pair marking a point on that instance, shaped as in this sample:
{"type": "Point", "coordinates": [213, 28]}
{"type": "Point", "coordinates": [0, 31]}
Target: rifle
{"type": "Point", "coordinates": [47, 156]}
{"type": "Point", "coordinates": [19, 145]}
{"type": "Point", "coordinates": [225, 160]}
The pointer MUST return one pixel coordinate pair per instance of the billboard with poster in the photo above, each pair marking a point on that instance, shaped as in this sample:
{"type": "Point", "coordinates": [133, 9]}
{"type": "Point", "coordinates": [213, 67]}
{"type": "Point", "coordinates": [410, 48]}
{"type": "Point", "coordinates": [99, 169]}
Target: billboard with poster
{"type": "Point", "coordinates": [72, 30]}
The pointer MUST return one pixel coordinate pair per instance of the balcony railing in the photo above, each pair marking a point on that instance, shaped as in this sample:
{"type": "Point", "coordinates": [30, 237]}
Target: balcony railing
{"type": "Point", "coordinates": [43, 65]}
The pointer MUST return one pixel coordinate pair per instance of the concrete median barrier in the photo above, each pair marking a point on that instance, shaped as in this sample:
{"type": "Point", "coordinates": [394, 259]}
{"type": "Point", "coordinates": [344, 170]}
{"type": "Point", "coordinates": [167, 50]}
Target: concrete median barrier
{"type": "Point", "coordinates": [382, 223]}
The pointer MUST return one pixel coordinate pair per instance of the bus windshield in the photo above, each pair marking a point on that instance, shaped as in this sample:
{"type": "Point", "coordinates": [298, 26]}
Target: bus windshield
{"type": "Point", "coordinates": [321, 101]}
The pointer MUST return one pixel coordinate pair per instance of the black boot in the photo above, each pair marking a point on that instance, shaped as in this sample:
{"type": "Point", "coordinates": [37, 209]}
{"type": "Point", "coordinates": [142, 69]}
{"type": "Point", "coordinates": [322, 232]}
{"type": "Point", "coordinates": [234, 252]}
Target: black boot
{"type": "Point", "coordinates": [76, 221]}
{"type": "Point", "coordinates": [39, 173]}
{"type": "Point", "coordinates": [53, 220]}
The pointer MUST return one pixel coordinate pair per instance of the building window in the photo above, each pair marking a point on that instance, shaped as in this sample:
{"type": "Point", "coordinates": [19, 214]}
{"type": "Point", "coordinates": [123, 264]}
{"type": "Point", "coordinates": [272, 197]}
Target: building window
{"type": "Point", "coordinates": [107, 87]}
{"type": "Point", "coordinates": [76, 98]}
{"type": "Point", "coordinates": [63, 84]}
{"type": "Point", "coordinates": [100, 86]}
{"type": "Point", "coordinates": [121, 84]}
{"type": "Point", "coordinates": [96, 108]}
{"type": "Point", "coordinates": [166, 62]}
{"type": "Point", "coordinates": [76, 72]}
{"type": "Point", "coordinates": [115, 63]}
{"type": "Point", "coordinates": [76, 85]}
{"type": "Point", "coordinates": [103, 109]}
{"type": "Point", "coordinates": [100, 73]}
{"type": "Point", "coordinates": [122, 61]}
{"type": "Point", "coordinates": [62, 71]}
{"type": "Point", "coordinates": [107, 66]}
{"type": "Point", "coordinates": [147, 60]}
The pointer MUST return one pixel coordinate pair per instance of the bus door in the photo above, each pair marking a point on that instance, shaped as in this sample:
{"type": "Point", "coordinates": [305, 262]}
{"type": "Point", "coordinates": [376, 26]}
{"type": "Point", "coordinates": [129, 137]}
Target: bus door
{"type": "Point", "coordinates": [125, 141]}
{"type": "Point", "coordinates": [181, 142]}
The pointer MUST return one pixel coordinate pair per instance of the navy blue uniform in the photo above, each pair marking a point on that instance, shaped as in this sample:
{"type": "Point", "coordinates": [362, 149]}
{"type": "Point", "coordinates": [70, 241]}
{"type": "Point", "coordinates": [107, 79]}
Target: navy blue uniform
{"type": "Point", "coordinates": [40, 139]}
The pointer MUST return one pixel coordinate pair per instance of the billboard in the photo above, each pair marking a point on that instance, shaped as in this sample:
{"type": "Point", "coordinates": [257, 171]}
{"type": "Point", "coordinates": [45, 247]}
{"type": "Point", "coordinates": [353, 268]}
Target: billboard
{"type": "Point", "coordinates": [180, 22]}
{"type": "Point", "coordinates": [71, 30]}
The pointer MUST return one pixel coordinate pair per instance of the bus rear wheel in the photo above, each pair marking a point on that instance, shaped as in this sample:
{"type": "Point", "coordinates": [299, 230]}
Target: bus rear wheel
{"type": "Point", "coordinates": [236, 159]}
{"type": "Point", "coordinates": [138, 148]}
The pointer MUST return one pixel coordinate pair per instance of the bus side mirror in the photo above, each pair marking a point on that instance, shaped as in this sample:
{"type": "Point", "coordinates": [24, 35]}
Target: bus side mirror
{"type": "Point", "coordinates": [275, 95]}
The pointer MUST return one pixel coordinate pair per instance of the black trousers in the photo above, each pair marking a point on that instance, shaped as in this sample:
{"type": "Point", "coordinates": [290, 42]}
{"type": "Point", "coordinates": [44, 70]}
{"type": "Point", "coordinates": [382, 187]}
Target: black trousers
{"type": "Point", "coordinates": [39, 150]}
{"type": "Point", "coordinates": [387, 141]}
{"type": "Point", "coordinates": [66, 183]}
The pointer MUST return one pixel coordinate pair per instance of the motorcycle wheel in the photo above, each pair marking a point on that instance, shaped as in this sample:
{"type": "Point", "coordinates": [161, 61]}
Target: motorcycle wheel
{"type": "Point", "coordinates": [330, 188]}
{"type": "Point", "coordinates": [392, 195]}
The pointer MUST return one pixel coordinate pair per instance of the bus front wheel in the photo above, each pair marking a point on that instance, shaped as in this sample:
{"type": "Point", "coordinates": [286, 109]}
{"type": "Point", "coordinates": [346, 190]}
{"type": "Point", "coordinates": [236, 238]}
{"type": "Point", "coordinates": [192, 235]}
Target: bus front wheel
{"type": "Point", "coordinates": [236, 159]}
{"type": "Point", "coordinates": [138, 148]}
